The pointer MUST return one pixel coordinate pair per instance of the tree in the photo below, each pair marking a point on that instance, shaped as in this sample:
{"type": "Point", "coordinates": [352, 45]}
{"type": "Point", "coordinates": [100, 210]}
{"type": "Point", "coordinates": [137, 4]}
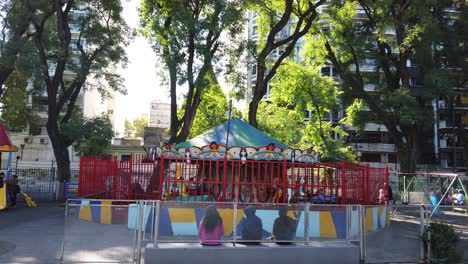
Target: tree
{"type": "Point", "coordinates": [212, 109]}
{"type": "Point", "coordinates": [98, 23]}
{"type": "Point", "coordinates": [186, 35]}
{"type": "Point", "coordinates": [402, 100]}
{"type": "Point", "coordinates": [276, 18]}
{"type": "Point", "coordinates": [129, 129]}
{"type": "Point", "coordinates": [139, 124]}
{"type": "Point", "coordinates": [91, 136]}
{"type": "Point", "coordinates": [16, 114]}
{"type": "Point", "coordinates": [15, 19]}
{"type": "Point", "coordinates": [282, 123]}
{"type": "Point", "coordinates": [301, 89]}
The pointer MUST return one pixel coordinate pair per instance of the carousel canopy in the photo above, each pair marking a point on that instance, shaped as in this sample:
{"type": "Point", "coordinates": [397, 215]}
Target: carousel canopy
{"type": "Point", "coordinates": [241, 134]}
{"type": "Point", "coordinates": [5, 143]}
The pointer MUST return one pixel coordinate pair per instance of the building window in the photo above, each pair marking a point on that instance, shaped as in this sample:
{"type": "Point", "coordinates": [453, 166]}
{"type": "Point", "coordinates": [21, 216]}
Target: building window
{"type": "Point", "coordinates": [371, 157]}
{"type": "Point", "coordinates": [254, 69]}
{"type": "Point", "coordinates": [35, 130]}
{"type": "Point", "coordinates": [254, 30]}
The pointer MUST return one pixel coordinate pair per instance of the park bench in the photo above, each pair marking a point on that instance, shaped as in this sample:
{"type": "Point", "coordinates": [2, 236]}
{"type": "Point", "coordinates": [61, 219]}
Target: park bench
{"type": "Point", "coordinates": [267, 253]}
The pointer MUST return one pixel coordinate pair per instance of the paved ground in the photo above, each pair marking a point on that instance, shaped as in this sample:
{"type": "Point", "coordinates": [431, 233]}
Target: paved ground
{"type": "Point", "coordinates": [400, 241]}
{"type": "Point", "coordinates": [31, 235]}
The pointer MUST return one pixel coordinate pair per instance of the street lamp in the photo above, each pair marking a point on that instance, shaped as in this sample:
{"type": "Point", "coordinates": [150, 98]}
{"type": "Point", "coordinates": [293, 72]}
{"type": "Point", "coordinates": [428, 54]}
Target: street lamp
{"type": "Point", "coordinates": [22, 149]}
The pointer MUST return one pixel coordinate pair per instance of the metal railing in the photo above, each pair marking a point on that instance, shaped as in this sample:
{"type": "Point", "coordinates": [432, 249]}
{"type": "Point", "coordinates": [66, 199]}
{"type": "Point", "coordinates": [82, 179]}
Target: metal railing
{"type": "Point", "coordinates": [382, 236]}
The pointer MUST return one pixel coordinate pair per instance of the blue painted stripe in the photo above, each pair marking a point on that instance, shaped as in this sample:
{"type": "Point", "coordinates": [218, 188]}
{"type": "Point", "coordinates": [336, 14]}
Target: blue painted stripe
{"type": "Point", "coordinates": [95, 211]}
{"type": "Point", "coordinates": [383, 217]}
{"type": "Point", "coordinates": [185, 229]}
{"type": "Point", "coordinates": [375, 218]}
{"type": "Point", "coordinates": [268, 219]}
{"type": "Point", "coordinates": [354, 224]}
{"type": "Point", "coordinates": [165, 227]}
{"type": "Point", "coordinates": [339, 219]}
{"type": "Point", "coordinates": [314, 224]}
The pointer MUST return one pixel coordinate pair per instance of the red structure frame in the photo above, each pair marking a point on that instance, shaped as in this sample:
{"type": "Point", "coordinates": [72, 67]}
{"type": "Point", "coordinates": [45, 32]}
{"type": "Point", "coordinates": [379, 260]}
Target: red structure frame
{"type": "Point", "coordinates": [185, 179]}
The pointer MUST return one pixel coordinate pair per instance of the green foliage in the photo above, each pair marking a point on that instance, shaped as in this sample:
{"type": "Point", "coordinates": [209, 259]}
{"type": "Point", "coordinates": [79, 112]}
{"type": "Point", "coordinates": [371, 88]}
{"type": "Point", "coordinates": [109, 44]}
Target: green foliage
{"type": "Point", "coordinates": [212, 110]}
{"type": "Point", "coordinates": [16, 114]}
{"type": "Point", "coordinates": [90, 136]}
{"type": "Point", "coordinates": [186, 35]}
{"type": "Point", "coordinates": [129, 129]}
{"type": "Point", "coordinates": [444, 241]}
{"type": "Point", "coordinates": [297, 89]}
{"type": "Point", "coordinates": [136, 127]}
{"type": "Point", "coordinates": [281, 123]}
{"type": "Point", "coordinates": [139, 124]}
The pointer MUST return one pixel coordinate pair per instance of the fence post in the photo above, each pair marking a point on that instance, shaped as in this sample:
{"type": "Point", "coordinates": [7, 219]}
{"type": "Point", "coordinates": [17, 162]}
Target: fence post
{"type": "Point", "coordinates": [362, 232]}
{"type": "Point", "coordinates": [223, 197]}
{"type": "Point", "coordinates": [130, 175]}
{"type": "Point", "coordinates": [343, 183]}
{"type": "Point", "coordinates": [421, 229]}
{"type": "Point", "coordinates": [368, 194]}
{"type": "Point", "coordinates": [156, 223]}
{"type": "Point", "coordinates": [234, 224]}
{"type": "Point", "coordinates": [306, 222]}
{"type": "Point", "coordinates": [161, 177]}
{"type": "Point", "coordinates": [140, 230]}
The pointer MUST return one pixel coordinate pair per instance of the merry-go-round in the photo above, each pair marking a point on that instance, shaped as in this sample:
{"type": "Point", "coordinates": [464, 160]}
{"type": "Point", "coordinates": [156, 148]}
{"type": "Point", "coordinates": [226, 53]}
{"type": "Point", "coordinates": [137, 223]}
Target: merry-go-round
{"type": "Point", "coordinates": [251, 168]}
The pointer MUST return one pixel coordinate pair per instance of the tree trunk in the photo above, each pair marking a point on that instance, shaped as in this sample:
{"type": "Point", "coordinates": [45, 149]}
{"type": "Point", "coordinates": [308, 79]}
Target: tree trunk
{"type": "Point", "coordinates": [4, 73]}
{"type": "Point", "coordinates": [60, 150]}
{"type": "Point", "coordinates": [174, 127]}
{"type": "Point", "coordinates": [407, 157]}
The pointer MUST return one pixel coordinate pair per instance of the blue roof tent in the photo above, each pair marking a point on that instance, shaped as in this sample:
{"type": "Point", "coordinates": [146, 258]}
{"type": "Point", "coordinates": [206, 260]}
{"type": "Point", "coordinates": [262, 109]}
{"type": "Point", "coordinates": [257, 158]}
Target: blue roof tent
{"type": "Point", "coordinates": [241, 134]}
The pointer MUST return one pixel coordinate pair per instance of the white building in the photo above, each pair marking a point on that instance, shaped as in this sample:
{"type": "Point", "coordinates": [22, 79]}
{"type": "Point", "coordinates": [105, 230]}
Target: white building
{"type": "Point", "coordinates": [160, 114]}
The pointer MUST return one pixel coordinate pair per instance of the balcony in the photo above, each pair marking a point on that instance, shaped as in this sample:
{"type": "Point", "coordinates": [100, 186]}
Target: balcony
{"type": "Point", "coordinates": [375, 147]}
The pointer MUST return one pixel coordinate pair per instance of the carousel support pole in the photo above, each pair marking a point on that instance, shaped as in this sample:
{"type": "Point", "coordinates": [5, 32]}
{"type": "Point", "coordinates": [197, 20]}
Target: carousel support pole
{"type": "Point", "coordinates": [225, 156]}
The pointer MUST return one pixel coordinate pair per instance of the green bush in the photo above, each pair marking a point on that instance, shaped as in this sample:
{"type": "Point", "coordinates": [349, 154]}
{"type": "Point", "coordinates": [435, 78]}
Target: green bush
{"type": "Point", "coordinates": [444, 241]}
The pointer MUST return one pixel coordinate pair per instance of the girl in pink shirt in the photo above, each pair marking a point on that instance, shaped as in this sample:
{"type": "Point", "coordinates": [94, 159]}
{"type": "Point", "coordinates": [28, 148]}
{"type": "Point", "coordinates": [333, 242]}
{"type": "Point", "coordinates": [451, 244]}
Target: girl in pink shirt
{"type": "Point", "coordinates": [211, 227]}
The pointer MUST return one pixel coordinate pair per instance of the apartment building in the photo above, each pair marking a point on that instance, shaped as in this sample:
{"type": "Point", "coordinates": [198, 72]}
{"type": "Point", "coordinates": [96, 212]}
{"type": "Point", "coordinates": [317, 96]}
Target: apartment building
{"type": "Point", "coordinates": [160, 114]}
{"type": "Point", "coordinates": [373, 145]}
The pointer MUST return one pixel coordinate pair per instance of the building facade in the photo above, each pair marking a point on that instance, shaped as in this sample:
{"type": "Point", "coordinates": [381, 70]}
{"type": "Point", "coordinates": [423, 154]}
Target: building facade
{"type": "Point", "coordinates": [160, 114]}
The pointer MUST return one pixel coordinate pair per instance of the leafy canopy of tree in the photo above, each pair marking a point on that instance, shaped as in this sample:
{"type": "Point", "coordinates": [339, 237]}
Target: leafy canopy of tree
{"type": "Point", "coordinates": [213, 108]}
{"type": "Point", "coordinates": [91, 52]}
{"type": "Point", "coordinates": [281, 25]}
{"type": "Point", "coordinates": [91, 136]}
{"type": "Point", "coordinates": [136, 127]}
{"type": "Point", "coordinates": [15, 19]}
{"type": "Point", "coordinates": [186, 35]}
{"type": "Point", "coordinates": [402, 100]}
{"type": "Point", "coordinates": [299, 88]}
{"type": "Point", "coordinates": [16, 114]}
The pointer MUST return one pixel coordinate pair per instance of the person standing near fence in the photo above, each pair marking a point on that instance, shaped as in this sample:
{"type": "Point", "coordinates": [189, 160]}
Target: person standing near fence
{"type": "Point", "coordinates": [2, 179]}
{"type": "Point", "coordinates": [13, 189]}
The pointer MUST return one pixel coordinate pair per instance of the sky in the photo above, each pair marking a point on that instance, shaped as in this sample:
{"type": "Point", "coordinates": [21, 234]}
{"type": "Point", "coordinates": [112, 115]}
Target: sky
{"type": "Point", "coordinates": [141, 76]}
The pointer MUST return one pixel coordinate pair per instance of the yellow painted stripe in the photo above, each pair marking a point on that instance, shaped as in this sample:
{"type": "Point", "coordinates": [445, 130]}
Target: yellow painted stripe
{"type": "Point", "coordinates": [106, 212]}
{"type": "Point", "coordinates": [3, 199]}
{"type": "Point", "coordinates": [85, 213]}
{"type": "Point", "coordinates": [182, 215]}
{"type": "Point", "coordinates": [369, 219]}
{"type": "Point", "coordinates": [228, 217]}
{"type": "Point", "coordinates": [327, 227]}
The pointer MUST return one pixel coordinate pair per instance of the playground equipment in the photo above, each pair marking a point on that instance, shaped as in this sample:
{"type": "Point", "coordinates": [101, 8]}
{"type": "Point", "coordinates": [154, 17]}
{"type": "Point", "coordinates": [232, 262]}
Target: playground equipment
{"type": "Point", "coordinates": [5, 146]}
{"type": "Point", "coordinates": [432, 188]}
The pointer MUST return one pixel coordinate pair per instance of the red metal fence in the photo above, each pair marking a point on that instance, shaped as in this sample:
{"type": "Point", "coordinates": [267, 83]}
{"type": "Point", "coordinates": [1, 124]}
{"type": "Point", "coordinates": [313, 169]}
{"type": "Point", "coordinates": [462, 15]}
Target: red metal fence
{"type": "Point", "coordinates": [183, 179]}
